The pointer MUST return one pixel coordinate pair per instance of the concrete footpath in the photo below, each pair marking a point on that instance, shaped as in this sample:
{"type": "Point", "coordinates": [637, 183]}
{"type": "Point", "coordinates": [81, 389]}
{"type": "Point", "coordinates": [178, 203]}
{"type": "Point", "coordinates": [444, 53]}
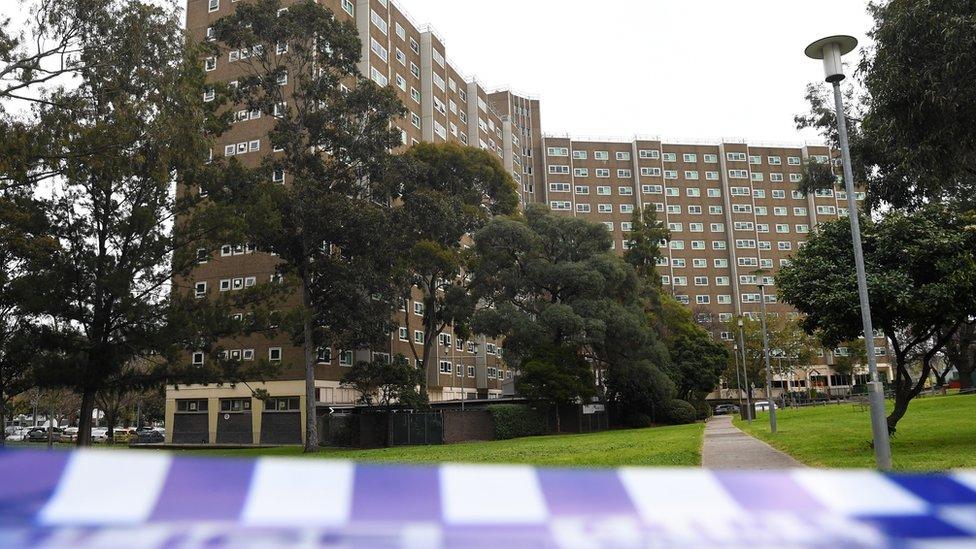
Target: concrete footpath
{"type": "Point", "coordinates": [727, 447]}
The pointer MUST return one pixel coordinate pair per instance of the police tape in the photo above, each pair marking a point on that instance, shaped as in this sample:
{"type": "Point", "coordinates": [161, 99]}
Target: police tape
{"type": "Point", "coordinates": [142, 499]}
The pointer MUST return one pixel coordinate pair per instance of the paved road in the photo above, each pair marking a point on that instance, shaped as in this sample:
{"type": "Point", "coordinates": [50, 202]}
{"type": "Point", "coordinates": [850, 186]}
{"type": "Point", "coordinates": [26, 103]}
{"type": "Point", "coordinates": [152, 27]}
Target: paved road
{"type": "Point", "coordinates": [727, 447]}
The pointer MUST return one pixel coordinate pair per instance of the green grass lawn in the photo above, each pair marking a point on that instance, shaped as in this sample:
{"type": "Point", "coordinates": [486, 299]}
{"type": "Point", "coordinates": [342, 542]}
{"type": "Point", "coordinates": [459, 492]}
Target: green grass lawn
{"type": "Point", "coordinates": [658, 446]}
{"type": "Point", "coordinates": [937, 433]}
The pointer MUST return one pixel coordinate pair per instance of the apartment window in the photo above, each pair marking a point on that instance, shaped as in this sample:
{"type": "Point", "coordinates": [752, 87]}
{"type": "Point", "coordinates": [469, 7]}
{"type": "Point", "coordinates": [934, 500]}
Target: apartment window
{"type": "Point", "coordinates": [776, 177]}
{"type": "Point", "coordinates": [200, 290]}
{"type": "Point", "coordinates": [418, 308]}
{"type": "Point", "coordinates": [210, 64]}
{"type": "Point", "coordinates": [626, 208]}
{"type": "Point", "coordinates": [694, 210]}
{"type": "Point", "coordinates": [721, 281]}
{"type": "Point", "coordinates": [702, 300]}
{"type": "Point", "coordinates": [782, 228]}
{"type": "Point", "coordinates": [604, 191]}
{"type": "Point", "coordinates": [601, 155]}
{"type": "Point", "coordinates": [676, 227]}
{"type": "Point", "coordinates": [679, 263]}
{"type": "Point", "coordinates": [739, 174]}
{"type": "Point", "coordinates": [580, 155]}
{"type": "Point", "coordinates": [324, 355]}
{"type": "Point", "coordinates": [625, 191]}
{"type": "Point", "coordinates": [710, 158]}
{"type": "Point", "coordinates": [604, 208]}
{"type": "Point", "coordinates": [735, 157]}
{"type": "Point", "coordinates": [755, 160]}
{"type": "Point", "coordinates": [582, 189]}
{"type": "Point", "coordinates": [784, 246]}
{"type": "Point", "coordinates": [650, 172]}
{"type": "Point", "coordinates": [697, 244]}
{"type": "Point", "coordinates": [756, 176]}
{"type": "Point", "coordinates": [692, 175]}
{"type": "Point", "coordinates": [797, 211]}
{"type": "Point", "coordinates": [560, 205]}
{"type": "Point", "coordinates": [583, 208]}
{"type": "Point", "coordinates": [602, 173]}
{"type": "Point", "coordinates": [721, 263]}
{"type": "Point", "coordinates": [649, 154]}
{"type": "Point", "coordinates": [625, 174]}
{"type": "Point", "coordinates": [274, 354]}
{"type": "Point", "coordinates": [622, 155]}
{"type": "Point", "coordinates": [345, 358]}
{"type": "Point", "coordinates": [719, 245]}
{"type": "Point", "coordinates": [348, 7]}
{"type": "Point", "coordinates": [670, 174]}
{"type": "Point", "coordinates": [779, 193]}
{"type": "Point", "coordinates": [802, 229]}
{"type": "Point", "coordinates": [652, 189]}
{"type": "Point", "coordinates": [403, 334]}
{"type": "Point", "coordinates": [560, 187]}
{"type": "Point", "coordinates": [774, 160]}
{"type": "Point", "coordinates": [796, 178]}
{"type": "Point", "coordinates": [717, 227]}
{"type": "Point", "coordinates": [581, 172]}
{"type": "Point", "coordinates": [711, 176]}
{"type": "Point", "coordinates": [213, 5]}
{"type": "Point", "coordinates": [674, 208]}
{"type": "Point", "coordinates": [699, 263]}
{"type": "Point", "coordinates": [701, 281]}
{"type": "Point", "coordinates": [680, 281]}
{"type": "Point", "coordinates": [688, 157]}
{"type": "Point", "coordinates": [557, 169]}
{"type": "Point", "coordinates": [418, 337]}
{"type": "Point", "coordinates": [558, 151]}
{"type": "Point", "coordinates": [670, 157]}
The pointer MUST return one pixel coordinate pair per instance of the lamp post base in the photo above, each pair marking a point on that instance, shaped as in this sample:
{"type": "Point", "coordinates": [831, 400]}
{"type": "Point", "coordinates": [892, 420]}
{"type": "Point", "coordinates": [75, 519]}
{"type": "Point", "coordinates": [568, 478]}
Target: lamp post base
{"type": "Point", "coordinates": [879, 425]}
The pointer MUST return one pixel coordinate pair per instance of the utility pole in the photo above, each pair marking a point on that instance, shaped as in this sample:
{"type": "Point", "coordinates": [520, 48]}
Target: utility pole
{"type": "Point", "coordinates": [769, 370]}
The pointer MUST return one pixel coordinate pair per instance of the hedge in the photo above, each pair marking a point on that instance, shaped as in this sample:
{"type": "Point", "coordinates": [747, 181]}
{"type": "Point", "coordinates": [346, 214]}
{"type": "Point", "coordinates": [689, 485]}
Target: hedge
{"type": "Point", "coordinates": [517, 420]}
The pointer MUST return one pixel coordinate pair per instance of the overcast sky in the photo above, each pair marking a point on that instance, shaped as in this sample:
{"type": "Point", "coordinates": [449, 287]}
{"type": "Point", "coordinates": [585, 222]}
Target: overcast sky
{"type": "Point", "coordinates": [704, 69]}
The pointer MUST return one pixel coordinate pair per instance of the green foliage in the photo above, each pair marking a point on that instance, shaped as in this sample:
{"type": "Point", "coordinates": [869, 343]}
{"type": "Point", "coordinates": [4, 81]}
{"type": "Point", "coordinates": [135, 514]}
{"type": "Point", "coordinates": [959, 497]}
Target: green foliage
{"type": "Point", "coordinates": [554, 282]}
{"type": "Point", "coordinates": [697, 360]}
{"type": "Point", "coordinates": [921, 273]}
{"type": "Point", "coordinates": [918, 127]}
{"type": "Point", "coordinates": [680, 412]}
{"type": "Point", "coordinates": [114, 237]}
{"type": "Point", "coordinates": [516, 421]}
{"type": "Point", "coordinates": [816, 176]}
{"type": "Point", "coordinates": [329, 223]}
{"type": "Point", "coordinates": [387, 384]}
{"type": "Point", "coordinates": [449, 191]}
{"type": "Point", "coordinates": [644, 250]}
{"type": "Point", "coordinates": [638, 388]}
{"type": "Point", "coordinates": [558, 374]}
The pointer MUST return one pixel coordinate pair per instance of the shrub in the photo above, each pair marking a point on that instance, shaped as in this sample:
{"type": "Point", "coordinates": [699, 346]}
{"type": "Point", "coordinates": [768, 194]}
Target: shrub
{"type": "Point", "coordinates": [703, 409]}
{"type": "Point", "coordinates": [638, 420]}
{"type": "Point", "coordinates": [679, 412]}
{"type": "Point", "coordinates": [517, 420]}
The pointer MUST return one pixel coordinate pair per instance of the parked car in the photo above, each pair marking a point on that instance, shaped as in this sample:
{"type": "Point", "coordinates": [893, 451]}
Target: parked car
{"type": "Point", "coordinates": [39, 434]}
{"type": "Point", "coordinates": [723, 409]}
{"type": "Point", "coordinates": [19, 434]}
{"type": "Point", "coordinates": [99, 434]}
{"type": "Point", "coordinates": [763, 406]}
{"type": "Point", "coordinates": [123, 434]}
{"type": "Point", "coordinates": [149, 436]}
{"type": "Point", "coordinates": [70, 434]}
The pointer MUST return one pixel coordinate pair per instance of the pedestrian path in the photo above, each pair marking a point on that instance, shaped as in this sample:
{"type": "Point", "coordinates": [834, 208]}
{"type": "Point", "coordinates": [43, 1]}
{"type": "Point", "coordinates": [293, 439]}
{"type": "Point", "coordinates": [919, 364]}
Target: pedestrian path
{"type": "Point", "coordinates": [727, 447]}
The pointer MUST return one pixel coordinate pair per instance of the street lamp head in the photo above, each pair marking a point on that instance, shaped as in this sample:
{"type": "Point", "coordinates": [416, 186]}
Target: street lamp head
{"type": "Point", "coordinates": [831, 49]}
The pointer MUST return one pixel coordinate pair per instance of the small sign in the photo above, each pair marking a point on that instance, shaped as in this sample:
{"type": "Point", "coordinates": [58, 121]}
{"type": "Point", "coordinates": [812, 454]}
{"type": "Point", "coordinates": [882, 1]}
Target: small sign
{"type": "Point", "coordinates": [589, 409]}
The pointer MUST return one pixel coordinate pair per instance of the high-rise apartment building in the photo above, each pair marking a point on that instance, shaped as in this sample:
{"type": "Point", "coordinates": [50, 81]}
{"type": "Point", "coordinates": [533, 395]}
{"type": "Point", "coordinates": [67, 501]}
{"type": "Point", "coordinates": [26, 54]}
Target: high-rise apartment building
{"type": "Point", "coordinates": [731, 208]}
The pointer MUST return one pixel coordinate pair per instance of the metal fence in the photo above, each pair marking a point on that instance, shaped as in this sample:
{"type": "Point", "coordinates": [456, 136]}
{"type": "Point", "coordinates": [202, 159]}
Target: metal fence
{"type": "Point", "coordinates": [416, 428]}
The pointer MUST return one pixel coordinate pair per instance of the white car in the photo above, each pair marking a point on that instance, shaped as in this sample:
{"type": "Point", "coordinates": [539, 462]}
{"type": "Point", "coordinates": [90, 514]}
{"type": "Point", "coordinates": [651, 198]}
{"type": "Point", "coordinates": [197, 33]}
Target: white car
{"type": "Point", "coordinates": [18, 434]}
{"type": "Point", "coordinates": [99, 434]}
{"type": "Point", "coordinates": [763, 406]}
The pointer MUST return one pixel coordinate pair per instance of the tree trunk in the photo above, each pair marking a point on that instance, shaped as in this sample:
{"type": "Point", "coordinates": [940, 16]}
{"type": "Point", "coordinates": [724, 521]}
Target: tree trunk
{"type": "Point", "coordinates": [311, 429]}
{"type": "Point", "coordinates": [3, 422]}
{"type": "Point", "coordinates": [110, 422]}
{"type": "Point", "coordinates": [85, 418]}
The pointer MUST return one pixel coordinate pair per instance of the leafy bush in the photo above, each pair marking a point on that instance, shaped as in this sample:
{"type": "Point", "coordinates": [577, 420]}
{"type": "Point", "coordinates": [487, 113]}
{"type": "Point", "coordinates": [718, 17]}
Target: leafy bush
{"type": "Point", "coordinates": [679, 412]}
{"type": "Point", "coordinates": [703, 409]}
{"type": "Point", "coordinates": [638, 421]}
{"type": "Point", "coordinates": [517, 420]}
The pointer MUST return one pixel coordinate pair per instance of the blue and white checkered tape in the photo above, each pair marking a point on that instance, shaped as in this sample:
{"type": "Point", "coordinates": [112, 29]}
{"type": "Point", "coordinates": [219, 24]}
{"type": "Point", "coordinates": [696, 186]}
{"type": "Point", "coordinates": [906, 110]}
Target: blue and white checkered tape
{"type": "Point", "coordinates": [140, 499]}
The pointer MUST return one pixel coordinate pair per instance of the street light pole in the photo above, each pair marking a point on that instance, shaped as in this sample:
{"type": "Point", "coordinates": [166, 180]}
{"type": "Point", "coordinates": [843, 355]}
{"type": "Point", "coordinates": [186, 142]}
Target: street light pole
{"type": "Point", "coordinates": [830, 50]}
{"type": "Point", "coordinates": [769, 370]}
{"type": "Point", "coordinates": [745, 371]}
{"type": "Point", "coordinates": [738, 374]}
